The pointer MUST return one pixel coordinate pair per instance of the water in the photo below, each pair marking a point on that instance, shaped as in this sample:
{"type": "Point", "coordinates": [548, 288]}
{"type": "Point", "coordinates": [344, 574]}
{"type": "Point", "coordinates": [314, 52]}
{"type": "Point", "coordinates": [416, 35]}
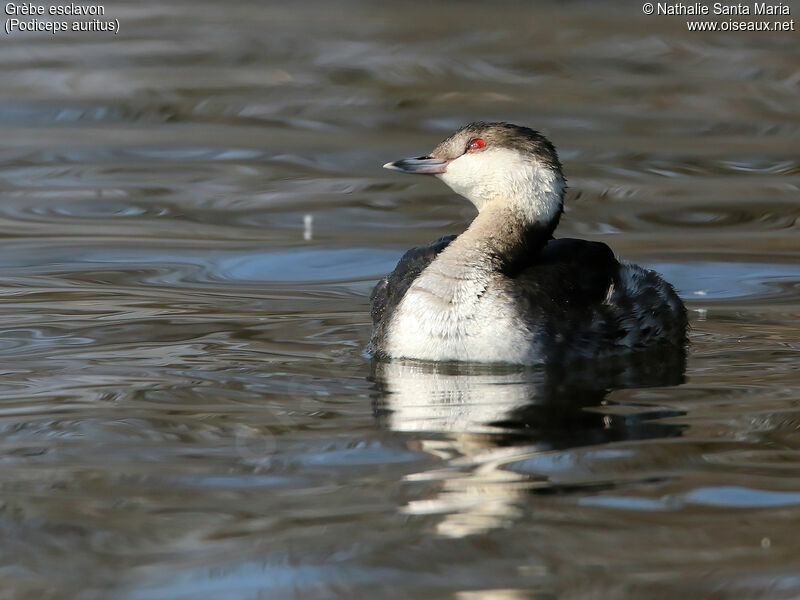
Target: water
{"type": "Point", "coordinates": [192, 215]}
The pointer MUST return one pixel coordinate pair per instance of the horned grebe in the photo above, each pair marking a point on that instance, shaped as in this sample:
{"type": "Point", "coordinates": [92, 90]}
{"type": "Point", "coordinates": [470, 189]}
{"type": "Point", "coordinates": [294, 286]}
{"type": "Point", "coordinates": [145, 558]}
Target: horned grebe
{"type": "Point", "coordinates": [505, 291]}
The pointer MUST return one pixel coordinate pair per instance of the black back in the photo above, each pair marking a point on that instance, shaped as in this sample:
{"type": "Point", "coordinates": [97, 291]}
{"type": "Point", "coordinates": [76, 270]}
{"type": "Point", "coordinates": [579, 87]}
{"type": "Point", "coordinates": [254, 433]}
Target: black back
{"type": "Point", "coordinates": [574, 270]}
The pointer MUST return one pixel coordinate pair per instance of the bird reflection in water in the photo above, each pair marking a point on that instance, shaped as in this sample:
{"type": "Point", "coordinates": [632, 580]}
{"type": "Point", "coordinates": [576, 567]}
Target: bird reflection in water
{"type": "Point", "coordinates": [503, 432]}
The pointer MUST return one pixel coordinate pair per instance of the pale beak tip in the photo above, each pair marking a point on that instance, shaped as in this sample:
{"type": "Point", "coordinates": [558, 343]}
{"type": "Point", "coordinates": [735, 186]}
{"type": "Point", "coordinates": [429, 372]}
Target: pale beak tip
{"type": "Point", "coordinates": [423, 165]}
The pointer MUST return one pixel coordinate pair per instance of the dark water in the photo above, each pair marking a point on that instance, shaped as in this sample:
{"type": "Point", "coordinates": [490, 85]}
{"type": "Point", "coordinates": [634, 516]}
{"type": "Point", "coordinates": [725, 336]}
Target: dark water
{"type": "Point", "coordinates": [192, 215]}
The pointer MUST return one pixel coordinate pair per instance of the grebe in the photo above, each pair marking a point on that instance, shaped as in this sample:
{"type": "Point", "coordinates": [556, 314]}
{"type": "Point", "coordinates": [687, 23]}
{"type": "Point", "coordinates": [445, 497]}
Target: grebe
{"type": "Point", "coordinates": [505, 291]}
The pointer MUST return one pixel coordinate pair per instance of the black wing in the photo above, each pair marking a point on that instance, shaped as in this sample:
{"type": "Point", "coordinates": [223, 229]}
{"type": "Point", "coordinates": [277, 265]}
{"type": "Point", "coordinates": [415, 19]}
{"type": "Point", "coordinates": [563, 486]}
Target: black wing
{"type": "Point", "coordinates": [571, 269]}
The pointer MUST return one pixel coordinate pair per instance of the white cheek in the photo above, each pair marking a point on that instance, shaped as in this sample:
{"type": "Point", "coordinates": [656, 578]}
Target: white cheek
{"type": "Point", "coordinates": [465, 176]}
{"type": "Point", "coordinates": [505, 176]}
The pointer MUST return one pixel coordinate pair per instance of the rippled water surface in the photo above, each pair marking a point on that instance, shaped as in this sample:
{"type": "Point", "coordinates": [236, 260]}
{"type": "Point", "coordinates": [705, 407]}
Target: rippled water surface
{"type": "Point", "coordinates": [192, 215]}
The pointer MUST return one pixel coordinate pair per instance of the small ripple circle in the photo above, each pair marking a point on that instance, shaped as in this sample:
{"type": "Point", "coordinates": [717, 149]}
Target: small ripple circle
{"type": "Point", "coordinates": [647, 8]}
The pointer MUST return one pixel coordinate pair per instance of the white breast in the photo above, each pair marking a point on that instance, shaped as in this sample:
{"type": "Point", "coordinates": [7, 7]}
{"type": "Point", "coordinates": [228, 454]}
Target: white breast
{"type": "Point", "coordinates": [446, 316]}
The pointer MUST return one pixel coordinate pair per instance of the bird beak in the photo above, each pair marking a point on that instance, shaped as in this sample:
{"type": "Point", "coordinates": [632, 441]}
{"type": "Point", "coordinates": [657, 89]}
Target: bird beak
{"type": "Point", "coordinates": [422, 165]}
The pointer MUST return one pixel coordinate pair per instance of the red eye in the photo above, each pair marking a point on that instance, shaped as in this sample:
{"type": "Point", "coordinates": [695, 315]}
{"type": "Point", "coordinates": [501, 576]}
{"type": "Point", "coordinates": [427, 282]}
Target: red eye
{"type": "Point", "coordinates": [476, 144]}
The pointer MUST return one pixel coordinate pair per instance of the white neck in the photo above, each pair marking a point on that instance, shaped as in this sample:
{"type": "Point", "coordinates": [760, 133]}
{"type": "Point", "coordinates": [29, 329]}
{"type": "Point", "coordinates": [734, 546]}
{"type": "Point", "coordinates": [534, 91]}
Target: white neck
{"type": "Point", "coordinates": [507, 178]}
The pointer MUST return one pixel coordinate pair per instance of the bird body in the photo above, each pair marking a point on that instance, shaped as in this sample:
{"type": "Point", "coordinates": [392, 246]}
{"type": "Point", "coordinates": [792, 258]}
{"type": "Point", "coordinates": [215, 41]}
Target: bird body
{"type": "Point", "coordinates": [505, 291]}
